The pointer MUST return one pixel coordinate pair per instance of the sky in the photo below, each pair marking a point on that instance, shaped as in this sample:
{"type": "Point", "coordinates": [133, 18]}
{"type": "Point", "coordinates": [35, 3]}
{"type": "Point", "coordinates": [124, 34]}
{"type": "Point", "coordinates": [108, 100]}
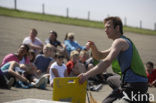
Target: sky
{"type": "Point", "coordinates": [133, 10]}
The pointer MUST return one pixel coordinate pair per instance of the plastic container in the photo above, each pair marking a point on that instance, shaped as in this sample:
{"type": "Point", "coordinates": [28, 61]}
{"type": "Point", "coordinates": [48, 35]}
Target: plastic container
{"type": "Point", "coordinates": [68, 89]}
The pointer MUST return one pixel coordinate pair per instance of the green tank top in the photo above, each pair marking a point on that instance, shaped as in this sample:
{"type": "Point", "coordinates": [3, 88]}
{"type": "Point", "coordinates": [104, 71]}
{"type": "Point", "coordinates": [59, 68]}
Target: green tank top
{"type": "Point", "coordinates": [136, 65]}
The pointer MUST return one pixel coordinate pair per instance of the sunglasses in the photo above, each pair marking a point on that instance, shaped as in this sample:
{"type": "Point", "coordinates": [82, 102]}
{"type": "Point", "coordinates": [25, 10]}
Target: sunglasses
{"type": "Point", "coordinates": [71, 37]}
{"type": "Point", "coordinates": [59, 57]}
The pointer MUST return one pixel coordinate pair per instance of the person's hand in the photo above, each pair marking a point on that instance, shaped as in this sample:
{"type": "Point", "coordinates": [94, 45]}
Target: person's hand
{"type": "Point", "coordinates": [154, 83]}
{"type": "Point", "coordinates": [38, 72]}
{"type": "Point", "coordinates": [89, 44]}
{"type": "Point", "coordinates": [51, 85]}
{"type": "Point", "coordinates": [149, 84]}
{"type": "Point", "coordinates": [82, 78]}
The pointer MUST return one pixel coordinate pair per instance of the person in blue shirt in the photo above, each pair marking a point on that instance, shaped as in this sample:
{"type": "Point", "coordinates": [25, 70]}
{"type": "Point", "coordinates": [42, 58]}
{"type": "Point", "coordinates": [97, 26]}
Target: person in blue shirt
{"type": "Point", "coordinates": [43, 61]}
{"type": "Point", "coordinates": [71, 44]}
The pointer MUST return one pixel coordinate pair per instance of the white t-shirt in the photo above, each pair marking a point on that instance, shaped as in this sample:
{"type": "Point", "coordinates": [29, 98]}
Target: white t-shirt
{"type": "Point", "coordinates": [37, 41]}
{"type": "Point", "coordinates": [60, 69]}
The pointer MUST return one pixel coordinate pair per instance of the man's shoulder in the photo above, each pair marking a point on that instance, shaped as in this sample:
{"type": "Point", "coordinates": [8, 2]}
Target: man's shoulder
{"type": "Point", "coordinates": [120, 40]}
{"type": "Point", "coordinates": [58, 42]}
{"type": "Point", "coordinates": [27, 38]}
{"type": "Point", "coordinates": [39, 56]}
{"type": "Point", "coordinates": [120, 43]}
{"type": "Point", "coordinates": [47, 41]}
{"type": "Point", "coordinates": [38, 39]}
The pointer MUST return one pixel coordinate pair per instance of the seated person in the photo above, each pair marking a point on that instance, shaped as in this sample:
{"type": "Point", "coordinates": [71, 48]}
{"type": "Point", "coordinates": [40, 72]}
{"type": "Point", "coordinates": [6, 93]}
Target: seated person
{"type": "Point", "coordinates": [20, 56]}
{"type": "Point", "coordinates": [74, 67]}
{"type": "Point", "coordinates": [32, 56]}
{"type": "Point", "coordinates": [71, 44]}
{"type": "Point", "coordinates": [57, 44]}
{"type": "Point", "coordinates": [33, 42]}
{"type": "Point", "coordinates": [43, 61]}
{"type": "Point", "coordinates": [58, 68]}
{"type": "Point", "coordinates": [7, 71]}
{"type": "Point", "coordinates": [53, 40]}
{"type": "Point", "coordinates": [84, 56]}
{"type": "Point", "coordinates": [151, 74]}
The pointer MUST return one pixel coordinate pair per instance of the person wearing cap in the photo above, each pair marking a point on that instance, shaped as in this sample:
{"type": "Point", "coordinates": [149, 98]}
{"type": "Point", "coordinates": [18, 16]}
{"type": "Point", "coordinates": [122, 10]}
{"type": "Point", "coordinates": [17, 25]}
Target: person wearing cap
{"type": "Point", "coordinates": [33, 41]}
{"type": "Point", "coordinates": [71, 44]}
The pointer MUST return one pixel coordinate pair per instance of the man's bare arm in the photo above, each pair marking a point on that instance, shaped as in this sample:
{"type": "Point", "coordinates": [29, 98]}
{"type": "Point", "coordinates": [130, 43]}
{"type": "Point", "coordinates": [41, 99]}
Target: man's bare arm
{"type": "Point", "coordinates": [98, 55]}
{"type": "Point", "coordinates": [116, 47]}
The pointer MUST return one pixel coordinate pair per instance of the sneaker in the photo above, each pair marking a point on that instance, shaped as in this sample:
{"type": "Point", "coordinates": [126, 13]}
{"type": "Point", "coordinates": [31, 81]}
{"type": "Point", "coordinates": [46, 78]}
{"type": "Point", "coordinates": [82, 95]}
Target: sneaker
{"type": "Point", "coordinates": [20, 84]}
{"type": "Point", "coordinates": [40, 82]}
{"type": "Point", "coordinates": [44, 85]}
{"type": "Point", "coordinates": [10, 82]}
{"type": "Point", "coordinates": [33, 84]}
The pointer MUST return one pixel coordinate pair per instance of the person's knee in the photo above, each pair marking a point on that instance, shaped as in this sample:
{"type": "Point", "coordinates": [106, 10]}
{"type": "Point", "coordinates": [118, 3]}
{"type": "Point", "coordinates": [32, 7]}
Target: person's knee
{"type": "Point", "coordinates": [109, 80]}
{"type": "Point", "coordinates": [114, 82]}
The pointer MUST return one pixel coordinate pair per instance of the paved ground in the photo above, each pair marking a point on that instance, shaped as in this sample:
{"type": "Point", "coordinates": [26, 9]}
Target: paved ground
{"type": "Point", "coordinates": [13, 30]}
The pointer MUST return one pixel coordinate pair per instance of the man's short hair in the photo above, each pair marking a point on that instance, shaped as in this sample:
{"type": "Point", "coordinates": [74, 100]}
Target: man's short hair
{"type": "Point", "coordinates": [53, 32]}
{"type": "Point", "coordinates": [116, 21]}
{"type": "Point", "coordinates": [34, 31]}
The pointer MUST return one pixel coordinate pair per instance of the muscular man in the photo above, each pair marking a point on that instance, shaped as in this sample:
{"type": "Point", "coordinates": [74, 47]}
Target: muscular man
{"type": "Point", "coordinates": [123, 52]}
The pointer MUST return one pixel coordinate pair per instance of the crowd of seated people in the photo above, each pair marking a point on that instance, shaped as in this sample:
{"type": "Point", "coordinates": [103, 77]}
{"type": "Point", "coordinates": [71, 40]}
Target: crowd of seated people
{"type": "Point", "coordinates": [37, 63]}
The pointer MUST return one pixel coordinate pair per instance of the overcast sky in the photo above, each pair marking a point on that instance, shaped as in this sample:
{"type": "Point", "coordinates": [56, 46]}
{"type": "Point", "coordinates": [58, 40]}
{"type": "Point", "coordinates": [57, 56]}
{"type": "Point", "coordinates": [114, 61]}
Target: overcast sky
{"type": "Point", "coordinates": [133, 10]}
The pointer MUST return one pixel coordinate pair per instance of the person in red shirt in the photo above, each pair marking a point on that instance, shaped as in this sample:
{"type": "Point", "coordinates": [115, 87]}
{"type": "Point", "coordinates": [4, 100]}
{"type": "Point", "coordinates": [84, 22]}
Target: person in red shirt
{"type": "Point", "coordinates": [151, 73]}
{"type": "Point", "coordinates": [74, 67]}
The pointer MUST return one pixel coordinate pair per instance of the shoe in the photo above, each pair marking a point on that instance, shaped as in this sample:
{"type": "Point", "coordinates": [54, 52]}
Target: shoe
{"type": "Point", "coordinates": [10, 82]}
{"type": "Point", "coordinates": [33, 84]}
{"type": "Point", "coordinates": [40, 82]}
{"type": "Point", "coordinates": [20, 84]}
{"type": "Point", "coordinates": [44, 85]}
{"type": "Point", "coordinates": [30, 85]}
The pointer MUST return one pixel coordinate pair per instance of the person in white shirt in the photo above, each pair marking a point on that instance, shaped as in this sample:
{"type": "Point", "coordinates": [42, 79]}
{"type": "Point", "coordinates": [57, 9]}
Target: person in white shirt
{"type": "Point", "coordinates": [58, 68]}
{"type": "Point", "coordinates": [33, 41]}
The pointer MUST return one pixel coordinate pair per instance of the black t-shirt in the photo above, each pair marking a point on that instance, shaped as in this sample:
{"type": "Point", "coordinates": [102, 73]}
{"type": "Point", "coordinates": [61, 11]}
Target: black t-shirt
{"type": "Point", "coordinates": [55, 43]}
